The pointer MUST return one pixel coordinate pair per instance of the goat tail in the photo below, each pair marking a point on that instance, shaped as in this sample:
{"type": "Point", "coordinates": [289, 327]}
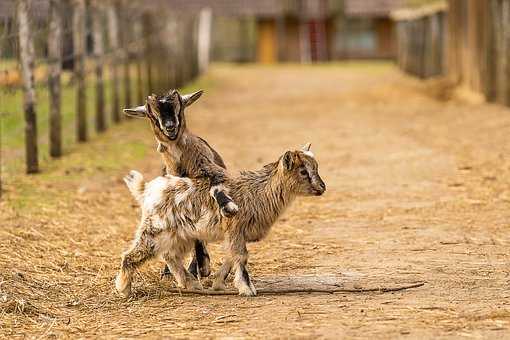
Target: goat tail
{"type": "Point", "coordinates": [135, 184]}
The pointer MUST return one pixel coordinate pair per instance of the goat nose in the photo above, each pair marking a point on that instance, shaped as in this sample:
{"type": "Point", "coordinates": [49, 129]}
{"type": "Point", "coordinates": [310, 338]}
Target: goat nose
{"type": "Point", "coordinates": [322, 186]}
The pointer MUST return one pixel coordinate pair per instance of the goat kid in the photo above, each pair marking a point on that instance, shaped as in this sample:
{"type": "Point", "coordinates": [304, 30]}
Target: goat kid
{"type": "Point", "coordinates": [186, 155]}
{"type": "Point", "coordinates": [176, 211]}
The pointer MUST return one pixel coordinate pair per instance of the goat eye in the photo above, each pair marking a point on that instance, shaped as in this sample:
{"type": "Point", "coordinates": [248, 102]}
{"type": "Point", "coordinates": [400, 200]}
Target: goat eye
{"type": "Point", "coordinates": [304, 172]}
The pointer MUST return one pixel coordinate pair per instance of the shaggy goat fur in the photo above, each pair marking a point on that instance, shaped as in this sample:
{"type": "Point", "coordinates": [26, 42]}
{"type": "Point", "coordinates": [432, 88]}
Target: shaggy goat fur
{"type": "Point", "coordinates": [186, 155]}
{"type": "Point", "coordinates": [176, 211]}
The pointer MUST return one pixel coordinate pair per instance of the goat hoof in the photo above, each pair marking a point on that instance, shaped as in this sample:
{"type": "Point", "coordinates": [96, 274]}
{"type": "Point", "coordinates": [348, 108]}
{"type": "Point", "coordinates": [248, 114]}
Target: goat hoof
{"type": "Point", "coordinates": [205, 269]}
{"type": "Point", "coordinates": [123, 285]}
{"type": "Point", "coordinates": [194, 285]}
{"type": "Point", "coordinates": [229, 210]}
{"type": "Point", "coordinates": [193, 270]}
{"type": "Point", "coordinates": [165, 273]}
{"type": "Point", "coordinates": [218, 285]}
{"type": "Point", "coordinates": [247, 291]}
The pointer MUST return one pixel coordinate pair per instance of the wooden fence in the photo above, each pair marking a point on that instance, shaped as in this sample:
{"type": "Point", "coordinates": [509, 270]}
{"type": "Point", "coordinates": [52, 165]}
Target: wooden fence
{"type": "Point", "coordinates": [475, 36]}
{"type": "Point", "coordinates": [421, 40]}
{"type": "Point", "coordinates": [81, 44]}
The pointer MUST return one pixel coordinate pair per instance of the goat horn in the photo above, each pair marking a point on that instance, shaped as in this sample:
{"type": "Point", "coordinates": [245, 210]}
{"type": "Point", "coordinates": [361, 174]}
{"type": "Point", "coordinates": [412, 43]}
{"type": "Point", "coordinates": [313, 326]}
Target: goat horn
{"type": "Point", "coordinates": [307, 146]}
{"type": "Point", "coordinates": [139, 111]}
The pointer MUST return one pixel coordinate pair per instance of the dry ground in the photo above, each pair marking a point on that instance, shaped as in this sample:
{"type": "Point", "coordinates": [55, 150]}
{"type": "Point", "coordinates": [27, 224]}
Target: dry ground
{"type": "Point", "coordinates": [418, 190]}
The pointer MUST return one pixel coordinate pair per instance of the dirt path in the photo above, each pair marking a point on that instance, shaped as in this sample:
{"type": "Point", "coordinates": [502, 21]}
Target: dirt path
{"type": "Point", "coordinates": [418, 190]}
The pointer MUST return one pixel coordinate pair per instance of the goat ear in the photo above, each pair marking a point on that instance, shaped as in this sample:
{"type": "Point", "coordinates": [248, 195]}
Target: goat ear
{"type": "Point", "coordinates": [288, 160]}
{"type": "Point", "coordinates": [306, 147]}
{"type": "Point", "coordinates": [189, 99]}
{"type": "Point", "coordinates": [139, 112]}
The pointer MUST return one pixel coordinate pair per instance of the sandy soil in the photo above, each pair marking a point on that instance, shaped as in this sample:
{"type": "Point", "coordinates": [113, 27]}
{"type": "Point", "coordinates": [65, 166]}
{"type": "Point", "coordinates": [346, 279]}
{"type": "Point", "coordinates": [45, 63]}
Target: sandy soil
{"type": "Point", "coordinates": [418, 191]}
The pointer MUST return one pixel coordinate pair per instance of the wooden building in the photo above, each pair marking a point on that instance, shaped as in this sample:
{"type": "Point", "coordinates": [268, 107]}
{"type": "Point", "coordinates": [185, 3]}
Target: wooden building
{"type": "Point", "coordinates": [270, 31]}
{"type": "Point", "coordinates": [366, 30]}
{"type": "Point", "coordinates": [320, 30]}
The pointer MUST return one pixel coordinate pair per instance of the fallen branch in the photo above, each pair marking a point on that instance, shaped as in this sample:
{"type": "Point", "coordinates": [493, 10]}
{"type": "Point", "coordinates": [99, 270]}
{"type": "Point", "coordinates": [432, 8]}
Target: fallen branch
{"type": "Point", "coordinates": [271, 291]}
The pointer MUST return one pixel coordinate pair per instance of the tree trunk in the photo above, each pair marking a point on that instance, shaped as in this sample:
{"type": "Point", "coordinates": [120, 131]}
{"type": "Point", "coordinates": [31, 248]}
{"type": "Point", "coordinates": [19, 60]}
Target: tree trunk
{"type": "Point", "coordinates": [27, 56]}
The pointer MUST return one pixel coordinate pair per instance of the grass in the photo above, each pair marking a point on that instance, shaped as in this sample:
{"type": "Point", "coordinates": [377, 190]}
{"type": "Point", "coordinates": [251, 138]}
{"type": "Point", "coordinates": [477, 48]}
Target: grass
{"type": "Point", "coordinates": [12, 106]}
{"type": "Point", "coordinates": [99, 156]}
{"type": "Point", "coordinates": [107, 153]}
{"type": "Point", "coordinates": [12, 121]}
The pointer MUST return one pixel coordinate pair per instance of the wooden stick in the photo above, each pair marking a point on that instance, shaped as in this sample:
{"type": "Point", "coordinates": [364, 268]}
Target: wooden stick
{"type": "Point", "coordinates": [270, 291]}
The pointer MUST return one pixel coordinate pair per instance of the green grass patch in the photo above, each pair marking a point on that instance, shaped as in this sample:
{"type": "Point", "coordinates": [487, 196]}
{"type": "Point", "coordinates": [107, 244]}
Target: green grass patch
{"type": "Point", "coordinates": [12, 124]}
{"type": "Point", "coordinates": [120, 148]}
{"type": "Point", "coordinates": [116, 150]}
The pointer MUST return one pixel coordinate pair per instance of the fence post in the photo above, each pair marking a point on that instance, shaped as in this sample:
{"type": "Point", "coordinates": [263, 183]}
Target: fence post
{"type": "Point", "coordinates": [148, 50]}
{"type": "Point", "coordinates": [187, 55]}
{"type": "Point", "coordinates": [506, 56]}
{"type": "Point", "coordinates": [177, 53]}
{"type": "Point", "coordinates": [138, 32]}
{"type": "Point", "coordinates": [79, 41]}
{"type": "Point", "coordinates": [27, 56]}
{"type": "Point", "coordinates": [496, 32]}
{"type": "Point", "coordinates": [126, 56]}
{"type": "Point", "coordinates": [97, 34]}
{"type": "Point", "coordinates": [113, 35]}
{"type": "Point", "coordinates": [55, 69]}
{"type": "Point", "coordinates": [502, 55]}
{"type": "Point", "coordinates": [194, 44]}
{"type": "Point", "coordinates": [490, 78]}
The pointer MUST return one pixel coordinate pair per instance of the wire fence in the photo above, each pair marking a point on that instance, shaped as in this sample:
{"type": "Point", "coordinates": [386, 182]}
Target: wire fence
{"type": "Point", "coordinates": [67, 68]}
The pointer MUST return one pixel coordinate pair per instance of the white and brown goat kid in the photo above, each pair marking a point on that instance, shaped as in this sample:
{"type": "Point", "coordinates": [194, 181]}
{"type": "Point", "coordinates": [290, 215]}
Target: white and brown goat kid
{"type": "Point", "coordinates": [176, 211]}
{"type": "Point", "coordinates": [186, 155]}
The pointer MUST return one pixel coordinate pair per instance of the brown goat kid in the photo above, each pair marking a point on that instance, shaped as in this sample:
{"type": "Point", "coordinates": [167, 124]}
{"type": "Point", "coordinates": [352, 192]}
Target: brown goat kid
{"type": "Point", "coordinates": [186, 155]}
{"type": "Point", "coordinates": [176, 211]}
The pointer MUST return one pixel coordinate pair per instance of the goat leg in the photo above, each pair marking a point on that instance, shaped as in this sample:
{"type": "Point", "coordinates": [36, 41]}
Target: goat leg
{"type": "Point", "coordinates": [242, 279]}
{"type": "Point", "coordinates": [228, 208]}
{"type": "Point", "coordinates": [221, 275]}
{"type": "Point", "coordinates": [142, 251]}
{"type": "Point", "coordinates": [201, 261]}
{"type": "Point", "coordinates": [184, 279]}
